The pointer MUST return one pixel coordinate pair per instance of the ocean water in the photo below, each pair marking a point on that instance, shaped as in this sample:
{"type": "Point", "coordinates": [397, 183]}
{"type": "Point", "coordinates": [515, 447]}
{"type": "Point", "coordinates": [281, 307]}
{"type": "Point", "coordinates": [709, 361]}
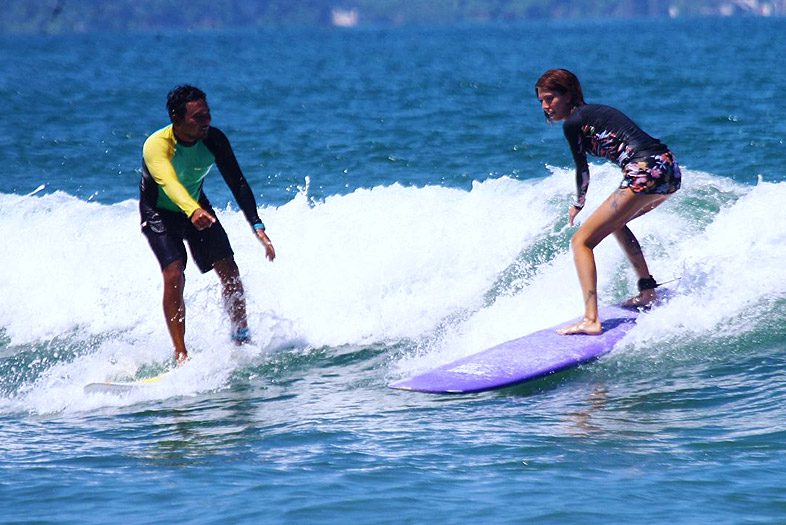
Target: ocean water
{"type": "Point", "coordinates": [417, 201]}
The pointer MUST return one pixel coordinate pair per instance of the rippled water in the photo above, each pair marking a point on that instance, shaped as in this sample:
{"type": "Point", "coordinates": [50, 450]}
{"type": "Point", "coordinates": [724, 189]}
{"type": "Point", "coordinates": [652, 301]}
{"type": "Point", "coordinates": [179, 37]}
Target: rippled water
{"type": "Point", "coordinates": [417, 202]}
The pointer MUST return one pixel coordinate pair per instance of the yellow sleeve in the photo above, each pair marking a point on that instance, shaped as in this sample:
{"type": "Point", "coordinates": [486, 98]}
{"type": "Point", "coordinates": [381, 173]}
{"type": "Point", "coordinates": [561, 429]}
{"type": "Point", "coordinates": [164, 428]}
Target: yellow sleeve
{"type": "Point", "coordinates": [157, 153]}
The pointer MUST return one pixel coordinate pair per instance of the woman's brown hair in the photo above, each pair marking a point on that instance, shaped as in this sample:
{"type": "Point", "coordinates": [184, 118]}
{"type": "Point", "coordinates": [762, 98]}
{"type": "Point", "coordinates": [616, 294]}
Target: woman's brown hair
{"type": "Point", "coordinates": [563, 82]}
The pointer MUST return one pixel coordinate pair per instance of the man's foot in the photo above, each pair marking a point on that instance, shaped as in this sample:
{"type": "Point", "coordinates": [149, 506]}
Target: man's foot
{"type": "Point", "coordinates": [181, 358]}
{"type": "Point", "coordinates": [585, 326]}
{"type": "Point", "coordinates": [241, 336]}
{"type": "Point", "coordinates": [645, 299]}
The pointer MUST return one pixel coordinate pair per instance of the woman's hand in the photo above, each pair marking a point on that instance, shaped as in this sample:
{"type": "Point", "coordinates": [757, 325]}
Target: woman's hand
{"type": "Point", "coordinates": [572, 212]}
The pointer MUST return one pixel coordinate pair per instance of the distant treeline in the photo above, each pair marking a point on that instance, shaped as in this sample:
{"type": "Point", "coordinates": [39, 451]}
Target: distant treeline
{"type": "Point", "coordinates": [65, 16]}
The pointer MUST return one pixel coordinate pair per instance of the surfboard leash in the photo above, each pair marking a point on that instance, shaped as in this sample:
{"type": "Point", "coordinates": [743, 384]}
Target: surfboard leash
{"type": "Point", "coordinates": [649, 283]}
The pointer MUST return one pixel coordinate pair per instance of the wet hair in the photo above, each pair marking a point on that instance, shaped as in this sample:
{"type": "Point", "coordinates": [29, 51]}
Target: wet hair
{"type": "Point", "coordinates": [177, 99]}
{"type": "Point", "coordinates": [563, 82]}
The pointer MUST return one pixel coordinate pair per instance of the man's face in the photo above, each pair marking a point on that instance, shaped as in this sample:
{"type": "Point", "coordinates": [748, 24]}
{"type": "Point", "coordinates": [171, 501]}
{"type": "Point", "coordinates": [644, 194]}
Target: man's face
{"type": "Point", "coordinates": [195, 123]}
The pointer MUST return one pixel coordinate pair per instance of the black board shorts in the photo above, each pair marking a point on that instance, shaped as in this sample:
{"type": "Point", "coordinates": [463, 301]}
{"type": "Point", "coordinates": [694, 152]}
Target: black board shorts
{"type": "Point", "coordinates": [166, 232]}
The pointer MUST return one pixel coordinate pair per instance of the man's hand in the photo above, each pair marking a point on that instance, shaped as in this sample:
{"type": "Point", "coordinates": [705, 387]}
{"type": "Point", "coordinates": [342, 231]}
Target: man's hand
{"type": "Point", "coordinates": [201, 219]}
{"type": "Point", "coordinates": [270, 252]}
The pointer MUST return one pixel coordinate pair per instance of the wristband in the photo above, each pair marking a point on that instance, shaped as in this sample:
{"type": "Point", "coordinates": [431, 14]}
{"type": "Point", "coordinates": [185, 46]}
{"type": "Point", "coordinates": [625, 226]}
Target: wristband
{"type": "Point", "coordinates": [259, 226]}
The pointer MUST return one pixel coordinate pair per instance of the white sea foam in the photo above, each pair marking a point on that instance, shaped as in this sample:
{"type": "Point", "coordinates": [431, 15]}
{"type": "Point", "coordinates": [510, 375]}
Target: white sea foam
{"type": "Point", "coordinates": [723, 239]}
{"type": "Point", "coordinates": [436, 266]}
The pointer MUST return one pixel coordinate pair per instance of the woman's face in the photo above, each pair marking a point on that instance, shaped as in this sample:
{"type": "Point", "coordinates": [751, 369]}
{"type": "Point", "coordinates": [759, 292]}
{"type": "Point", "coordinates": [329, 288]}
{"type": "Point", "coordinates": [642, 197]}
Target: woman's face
{"type": "Point", "coordinates": [555, 105]}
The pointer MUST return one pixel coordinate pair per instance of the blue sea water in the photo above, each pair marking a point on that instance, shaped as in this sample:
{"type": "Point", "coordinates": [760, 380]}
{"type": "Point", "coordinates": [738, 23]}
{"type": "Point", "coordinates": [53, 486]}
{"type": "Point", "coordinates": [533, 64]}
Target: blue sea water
{"type": "Point", "coordinates": [417, 201]}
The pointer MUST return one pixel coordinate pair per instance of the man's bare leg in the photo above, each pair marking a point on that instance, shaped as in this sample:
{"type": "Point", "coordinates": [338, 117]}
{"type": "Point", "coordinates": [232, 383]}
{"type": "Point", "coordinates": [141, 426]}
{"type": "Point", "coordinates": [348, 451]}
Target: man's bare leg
{"type": "Point", "coordinates": [234, 298]}
{"type": "Point", "coordinates": [175, 308]}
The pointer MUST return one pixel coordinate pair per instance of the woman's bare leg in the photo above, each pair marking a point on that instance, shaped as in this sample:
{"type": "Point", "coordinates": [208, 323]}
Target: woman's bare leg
{"type": "Point", "coordinates": [632, 249]}
{"type": "Point", "coordinates": [620, 207]}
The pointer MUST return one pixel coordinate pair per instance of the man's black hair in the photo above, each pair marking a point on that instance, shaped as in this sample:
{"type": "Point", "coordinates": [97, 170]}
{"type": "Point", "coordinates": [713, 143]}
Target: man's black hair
{"type": "Point", "coordinates": [177, 99]}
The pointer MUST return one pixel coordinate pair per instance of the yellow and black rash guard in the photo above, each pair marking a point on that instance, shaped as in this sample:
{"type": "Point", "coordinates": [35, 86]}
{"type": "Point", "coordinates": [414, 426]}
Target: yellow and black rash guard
{"type": "Point", "coordinates": [173, 174]}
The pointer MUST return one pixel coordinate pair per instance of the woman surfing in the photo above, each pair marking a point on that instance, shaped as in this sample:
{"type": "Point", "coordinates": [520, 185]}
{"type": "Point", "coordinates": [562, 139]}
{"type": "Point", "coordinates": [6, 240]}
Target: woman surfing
{"type": "Point", "coordinates": [650, 176]}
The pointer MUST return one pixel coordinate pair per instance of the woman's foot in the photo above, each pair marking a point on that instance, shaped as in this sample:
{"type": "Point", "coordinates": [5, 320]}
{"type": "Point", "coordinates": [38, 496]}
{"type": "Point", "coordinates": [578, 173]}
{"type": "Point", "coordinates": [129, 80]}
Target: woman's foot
{"type": "Point", "coordinates": [585, 326]}
{"type": "Point", "coordinates": [645, 299]}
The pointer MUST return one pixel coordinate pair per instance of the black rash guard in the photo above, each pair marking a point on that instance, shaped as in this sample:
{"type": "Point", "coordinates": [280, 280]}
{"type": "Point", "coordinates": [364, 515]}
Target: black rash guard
{"type": "Point", "coordinates": [605, 132]}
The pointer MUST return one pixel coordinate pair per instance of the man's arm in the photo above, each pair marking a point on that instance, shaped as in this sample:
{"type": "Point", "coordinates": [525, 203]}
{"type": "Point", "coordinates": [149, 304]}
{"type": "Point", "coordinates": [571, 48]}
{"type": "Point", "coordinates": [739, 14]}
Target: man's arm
{"type": "Point", "coordinates": [227, 164]}
{"type": "Point", "coordinates": [157, 154]}
{"type": "Point", "coordinates": [230, 170]}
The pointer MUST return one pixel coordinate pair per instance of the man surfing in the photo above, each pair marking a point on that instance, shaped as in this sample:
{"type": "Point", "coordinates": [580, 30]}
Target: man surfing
{"type": "Point", "coordinates": [174, 208]}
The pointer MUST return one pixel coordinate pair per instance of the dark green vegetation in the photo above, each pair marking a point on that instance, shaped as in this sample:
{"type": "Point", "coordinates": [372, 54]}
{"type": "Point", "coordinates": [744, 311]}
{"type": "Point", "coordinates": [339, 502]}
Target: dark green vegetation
{"type": "Point", "coordinates": [64, 16]}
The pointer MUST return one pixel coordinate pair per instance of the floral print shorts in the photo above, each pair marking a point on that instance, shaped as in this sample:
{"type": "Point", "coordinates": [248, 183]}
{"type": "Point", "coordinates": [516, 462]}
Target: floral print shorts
{"type": "Point", "coordinates": [656, 174]}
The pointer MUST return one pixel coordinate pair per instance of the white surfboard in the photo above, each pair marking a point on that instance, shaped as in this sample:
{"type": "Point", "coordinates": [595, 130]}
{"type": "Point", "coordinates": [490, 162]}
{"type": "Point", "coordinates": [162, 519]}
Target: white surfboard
{"type": "Point", "coordinates": [121, 387]}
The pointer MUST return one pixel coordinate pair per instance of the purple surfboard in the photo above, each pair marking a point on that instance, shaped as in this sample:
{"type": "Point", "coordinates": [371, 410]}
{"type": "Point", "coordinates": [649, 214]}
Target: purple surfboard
{"type": "Point", "coordinates": [535, 355]}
